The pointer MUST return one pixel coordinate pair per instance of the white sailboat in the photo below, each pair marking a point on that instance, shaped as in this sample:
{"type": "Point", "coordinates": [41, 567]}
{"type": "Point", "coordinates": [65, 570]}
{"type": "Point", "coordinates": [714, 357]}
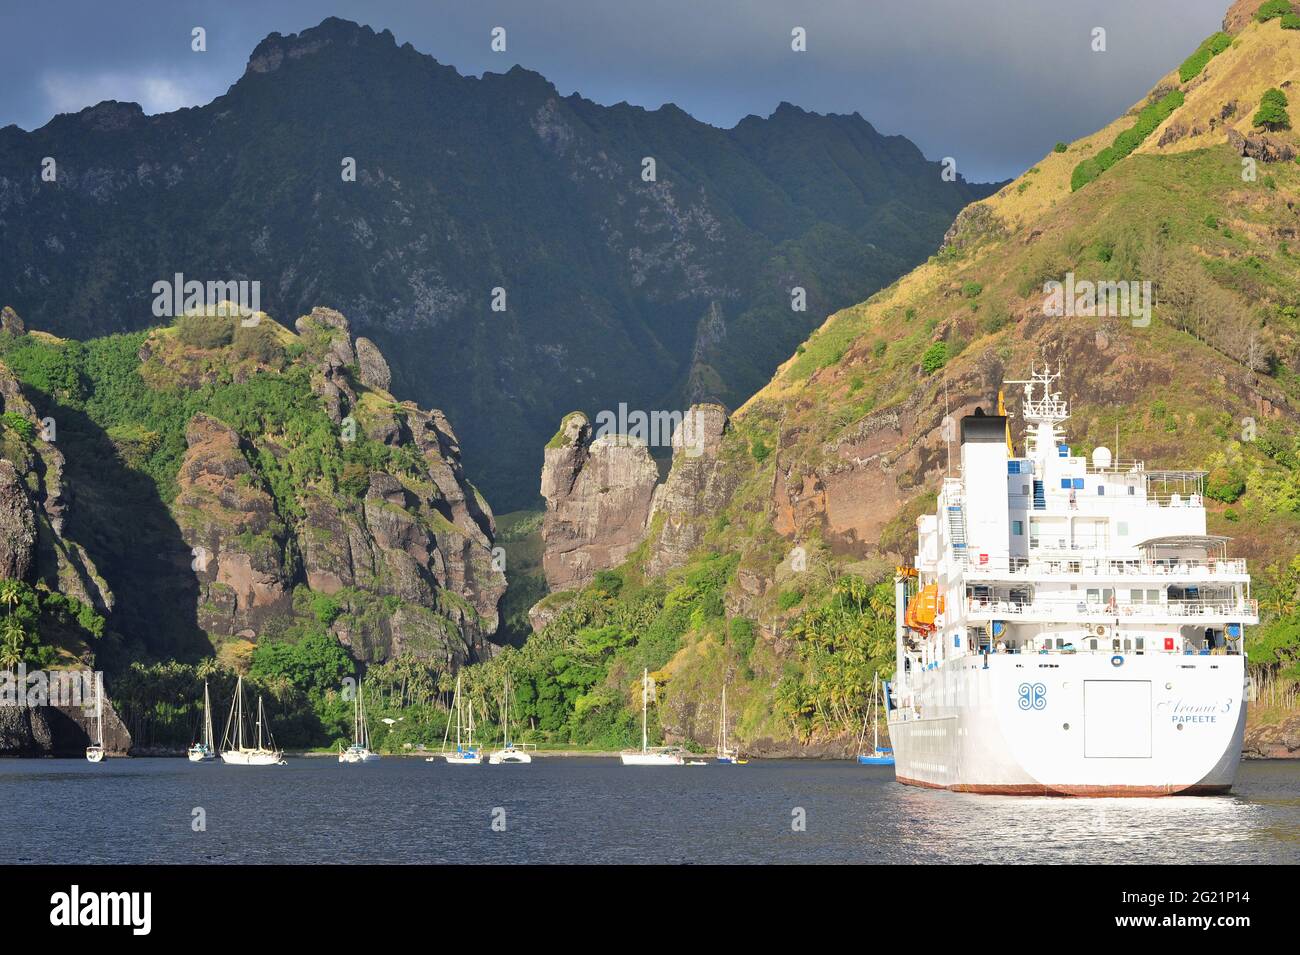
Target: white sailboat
{"type": "Point", "coordinates": [205, 750]}
{"type": "Point", "coordinates": [233, 750]}
{"type": "Point", "coordinates": [509, 752]}
{"type": "Point", "coordinates": [95, 751]}
{"type": "Point", "coordinates": [466, 752]}
{"type": "Point", "coordinates": [726, 754]}
{"type": "Point", "coordinates": [359, 751]}
{"type": "Point", "coordinates": [647, 756]}
{"type": "Point", "coordinates": [879, 756]}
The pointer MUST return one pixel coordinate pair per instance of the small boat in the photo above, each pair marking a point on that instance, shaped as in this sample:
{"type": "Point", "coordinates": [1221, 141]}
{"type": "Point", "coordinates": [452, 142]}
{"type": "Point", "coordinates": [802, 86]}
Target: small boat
{"type": "Point", "coordinates": [466, 754]}
{"type": "Point", "coordinates": [95, 751]}
{"type": "Point", "coordinates": [879, 755]}
{"type": "Point", "coordinates": [697, 762]}
{"type": "Point", "coordinates": [359, 751]}
{"type": "Point", "coordinates": [646, 755]}
{"type": "Point", "coordinates": [509, 752]}
{"type": "Point", "coordinates": [205, 750]}
{"type": "Point", "coordinates": [233, 750]}
{"type": "Point", "coordinates": [726, 754]}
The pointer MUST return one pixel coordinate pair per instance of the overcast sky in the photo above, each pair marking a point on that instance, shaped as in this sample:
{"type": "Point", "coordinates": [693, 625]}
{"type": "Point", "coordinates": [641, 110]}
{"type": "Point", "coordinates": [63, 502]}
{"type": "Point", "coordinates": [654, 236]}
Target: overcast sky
{"type": "Point", "coordinates": [994, 83]}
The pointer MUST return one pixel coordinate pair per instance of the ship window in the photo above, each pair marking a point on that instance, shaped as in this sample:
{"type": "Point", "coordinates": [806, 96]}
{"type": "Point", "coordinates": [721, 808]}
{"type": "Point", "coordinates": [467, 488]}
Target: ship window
{"type": "Point", "coordinates": [1078, 484]}
{"type": "Point", "coordinates": [1065, 484]}
{"type": "Point", "coordinates": [1153, 596]}
{"type": "Point", "coordinates": [1132, 491]}
{"type": "Point", "coordinates": [1024, 489]}
{"type": "Point", "coordinates": [1018, 528]}
{"type": "Point", "coordinates": [1101, 489]}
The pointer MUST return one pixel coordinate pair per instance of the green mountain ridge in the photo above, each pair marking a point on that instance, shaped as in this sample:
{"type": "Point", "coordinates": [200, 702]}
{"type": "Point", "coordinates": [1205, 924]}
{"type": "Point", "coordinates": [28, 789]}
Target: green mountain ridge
{"type": "Point", "coordinates": [617, 290]}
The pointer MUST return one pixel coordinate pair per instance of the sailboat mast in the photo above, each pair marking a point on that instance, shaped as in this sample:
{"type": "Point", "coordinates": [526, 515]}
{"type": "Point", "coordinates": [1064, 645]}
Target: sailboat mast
{"type": "Point", "coordinates": [239, 711]}
{"type": "Point", "coordinates": [259, 721]}
{"type": "Point", "coordinates": [645, 701]}
{"type": "Point", "coordinates": [459, 706]}
{"type": "Point", "coordinates": [875, 714]}
{"type": "Point", "coordinates": [207, 717]}
{"type": "Point", "coordinates": [99, 710]}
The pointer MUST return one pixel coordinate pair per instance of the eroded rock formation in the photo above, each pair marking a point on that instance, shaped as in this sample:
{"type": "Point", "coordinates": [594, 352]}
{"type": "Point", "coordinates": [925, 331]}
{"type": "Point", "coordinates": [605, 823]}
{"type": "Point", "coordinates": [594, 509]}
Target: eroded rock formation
{"type": "Point", "coordinates": [598, 496]}
{"type": "Point", "coordinates": [603, 497]}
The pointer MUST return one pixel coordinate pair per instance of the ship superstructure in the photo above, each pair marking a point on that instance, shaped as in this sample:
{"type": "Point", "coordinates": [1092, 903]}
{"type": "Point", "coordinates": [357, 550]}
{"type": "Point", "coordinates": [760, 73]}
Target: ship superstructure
{"type": "Point", "coordinates": [1068, 626]}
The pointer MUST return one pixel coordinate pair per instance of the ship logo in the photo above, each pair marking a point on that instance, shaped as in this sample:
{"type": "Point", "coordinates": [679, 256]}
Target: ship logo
{"type": "Point", "coordinates": [1033, 696]}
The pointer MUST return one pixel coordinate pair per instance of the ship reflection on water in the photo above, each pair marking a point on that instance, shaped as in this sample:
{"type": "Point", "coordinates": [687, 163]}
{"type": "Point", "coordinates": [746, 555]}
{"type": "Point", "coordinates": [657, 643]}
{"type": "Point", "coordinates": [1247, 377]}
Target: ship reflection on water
{"type": "Point", "coordinates": [1258, 822]}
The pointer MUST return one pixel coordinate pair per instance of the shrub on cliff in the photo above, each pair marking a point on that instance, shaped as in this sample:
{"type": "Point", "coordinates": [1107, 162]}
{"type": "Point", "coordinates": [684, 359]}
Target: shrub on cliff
{"type": "Point", "coordinates": [258, 342]}
{"type": "Point", "coordinates": [935, 357]}
{"type": "Point", "coordinates": [1272, 112]}
{"type": "Point", "coordinates": [205, 331]}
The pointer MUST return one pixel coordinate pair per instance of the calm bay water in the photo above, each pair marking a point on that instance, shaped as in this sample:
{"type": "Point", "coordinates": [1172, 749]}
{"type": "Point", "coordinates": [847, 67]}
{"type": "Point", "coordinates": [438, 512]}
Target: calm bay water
{"type": "Point", "coordinates": [596, 810]}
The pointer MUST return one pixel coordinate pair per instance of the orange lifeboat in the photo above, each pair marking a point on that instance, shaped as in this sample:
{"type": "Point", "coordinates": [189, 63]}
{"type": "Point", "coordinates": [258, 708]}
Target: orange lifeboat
{"type": "Point", "coordinates": [923, 608]}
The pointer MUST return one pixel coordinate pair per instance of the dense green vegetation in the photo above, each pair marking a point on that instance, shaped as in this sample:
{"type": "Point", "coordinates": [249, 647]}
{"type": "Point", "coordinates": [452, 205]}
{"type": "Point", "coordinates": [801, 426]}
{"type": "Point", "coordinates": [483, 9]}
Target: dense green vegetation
{"type": "Point", "coordinates": [1272, 9]}
{"type": "Point", "coordinates": [1150, 117]}
{"type": "Point", "coordinates": [36, 623]}
{"type": "Point", "coordinates": [1210, 48]}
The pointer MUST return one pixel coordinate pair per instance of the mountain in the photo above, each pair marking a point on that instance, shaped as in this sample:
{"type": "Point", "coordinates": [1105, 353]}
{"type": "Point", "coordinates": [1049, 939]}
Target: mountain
{"type": "Point", "coordinates": [616, 289]}
{"type": "Point", "coordinates": [783, 590]}
{"type": "Point", "coordinates": [226, 487]}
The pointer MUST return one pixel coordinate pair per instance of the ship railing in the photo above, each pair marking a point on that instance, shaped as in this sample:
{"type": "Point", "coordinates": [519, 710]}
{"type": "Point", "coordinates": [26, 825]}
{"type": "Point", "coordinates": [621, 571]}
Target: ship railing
{"type": "Point", "coordinates": [1100, 566]}
{"type": "Point", "coordinates": [1107, 647]}
{"type": "Point", "coordinates": [1245, 607]}
{"type": "Point", "coordinates": [1088, 501]}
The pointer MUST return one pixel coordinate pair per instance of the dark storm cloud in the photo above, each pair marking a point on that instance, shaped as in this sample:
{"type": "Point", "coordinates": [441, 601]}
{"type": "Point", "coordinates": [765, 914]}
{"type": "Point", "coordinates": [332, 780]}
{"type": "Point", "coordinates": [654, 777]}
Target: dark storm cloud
{"type": "Point", "coordinates": [993, 83]}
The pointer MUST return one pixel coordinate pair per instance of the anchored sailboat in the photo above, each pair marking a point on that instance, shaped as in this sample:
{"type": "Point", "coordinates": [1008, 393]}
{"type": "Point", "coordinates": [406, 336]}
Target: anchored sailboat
{"type": "Point", "coordinates": [878, 755]}
{"type": "Point", "coordinates": [95, 751]}
{"type": "Point", "coordinates": [466, 752]}
{"type": "Point", "coordinates": [509, 752]}
{"type": "Point", "coordinates": [646, 756]}
{"type": "Point", "coordinates": [359, 751]}
{"type": "Point", "coordinates": [205, 750]}
{"type": "Point", "coordinates": [234, 751]}
{"type": "Point", "coordinates": [726, 754]}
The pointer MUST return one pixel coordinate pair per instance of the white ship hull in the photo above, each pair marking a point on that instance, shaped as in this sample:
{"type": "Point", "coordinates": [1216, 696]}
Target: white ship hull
{"type": "Point", "coordinates": [1074, 725]}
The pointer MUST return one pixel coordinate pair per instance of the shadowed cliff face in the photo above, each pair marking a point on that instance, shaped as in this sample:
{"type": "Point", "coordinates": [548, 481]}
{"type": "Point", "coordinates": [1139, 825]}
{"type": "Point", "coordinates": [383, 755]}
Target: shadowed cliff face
{"type": "Point", "coordinates": [656, 291]}
{"type": "Point", "coordinates": [62, 731]}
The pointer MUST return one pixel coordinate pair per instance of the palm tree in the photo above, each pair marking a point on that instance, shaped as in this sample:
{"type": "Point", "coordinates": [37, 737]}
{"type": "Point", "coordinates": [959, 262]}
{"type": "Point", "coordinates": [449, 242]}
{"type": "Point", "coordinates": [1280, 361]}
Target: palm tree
{"type": "Point", "coordinates": [11, 650]}
{"type": "Point", "coordinates": [11, 594]}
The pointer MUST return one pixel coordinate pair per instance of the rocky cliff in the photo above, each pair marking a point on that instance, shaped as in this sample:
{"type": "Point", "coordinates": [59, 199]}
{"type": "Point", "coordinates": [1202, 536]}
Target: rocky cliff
{"type": "Point", "coordinates": [603, 496]}
{"type": "Point", "coordinates": [281, 483]}
{"type": "Point", "coordinates": [598, 493]}
{"type": "Point", "coordinates": [63, 731]}
{"type": "Point", "coordinates": [36, 545]}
